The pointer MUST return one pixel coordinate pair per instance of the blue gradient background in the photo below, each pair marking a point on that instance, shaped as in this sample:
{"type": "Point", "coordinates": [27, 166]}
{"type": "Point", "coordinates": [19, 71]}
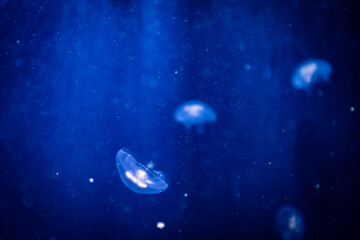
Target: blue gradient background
{"type": "Point", "coordinates": [82, 79]}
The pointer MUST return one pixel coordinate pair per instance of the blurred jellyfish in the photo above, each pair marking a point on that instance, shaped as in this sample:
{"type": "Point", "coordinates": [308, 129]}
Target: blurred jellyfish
{"type": "Point", "coordinates": [311, 72]}
{"type": "Point", "coordinates": [290, 223]}
{"type": "Point", "coordinates": [137, 177]}
{"type": "Point", "coordinates": [194, 113]}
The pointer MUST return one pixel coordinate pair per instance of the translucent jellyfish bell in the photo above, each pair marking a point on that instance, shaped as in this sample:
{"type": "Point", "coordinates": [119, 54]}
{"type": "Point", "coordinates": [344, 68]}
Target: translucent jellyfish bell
{"type": "Point", "coordinates": [194, 113]}
{"type": "Point", "coordinates": [290, 223]}
{"type": "Point", "coordinates": [311, 72]}
{"type": "Point", "coordinates": [137, 177]}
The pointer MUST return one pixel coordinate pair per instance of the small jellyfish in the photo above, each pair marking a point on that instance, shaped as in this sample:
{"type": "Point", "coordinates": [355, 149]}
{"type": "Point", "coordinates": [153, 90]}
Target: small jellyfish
{"type": "Point", "coordinates": [311, 72]}
{"type": "Point", "coordinates": [195, 113]}
{"type": "Point", "coordinates": [290, 223]}
{"type": "Point", "coordinates": [137, 177]}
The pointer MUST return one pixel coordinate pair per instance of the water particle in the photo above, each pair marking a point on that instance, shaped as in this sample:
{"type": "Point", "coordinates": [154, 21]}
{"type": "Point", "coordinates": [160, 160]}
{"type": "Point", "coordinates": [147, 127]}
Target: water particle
{"type": "Point", "coordinates": [160, 225]}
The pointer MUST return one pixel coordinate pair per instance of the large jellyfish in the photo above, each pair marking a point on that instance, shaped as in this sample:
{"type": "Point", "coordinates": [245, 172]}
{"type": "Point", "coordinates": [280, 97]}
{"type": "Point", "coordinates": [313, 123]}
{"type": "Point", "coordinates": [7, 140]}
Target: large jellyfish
{"type": "Point", "coordinates": [194, 113]}
{"type": "Point", "coordinates": [311, 72]}
{"type": "Point", "coordinates": [137, 177]}
{"type": "Point", "coordinates": [290, 223]}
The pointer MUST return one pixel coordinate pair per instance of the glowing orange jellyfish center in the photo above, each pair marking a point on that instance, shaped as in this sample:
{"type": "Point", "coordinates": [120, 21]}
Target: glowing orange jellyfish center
{"type": "Point", "coordinates": [140, 178]}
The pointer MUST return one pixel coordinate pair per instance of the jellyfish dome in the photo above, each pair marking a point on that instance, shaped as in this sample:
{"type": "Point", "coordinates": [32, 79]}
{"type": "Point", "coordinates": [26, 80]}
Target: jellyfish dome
{"type": "Point", "coordinates": [137, 177]}
{"type": "Point", "coordinates": [311, 72]}
{"type": "Point", "coordinates": [290, 223]}
{"type": "Point", "coordinates": [194, 112]}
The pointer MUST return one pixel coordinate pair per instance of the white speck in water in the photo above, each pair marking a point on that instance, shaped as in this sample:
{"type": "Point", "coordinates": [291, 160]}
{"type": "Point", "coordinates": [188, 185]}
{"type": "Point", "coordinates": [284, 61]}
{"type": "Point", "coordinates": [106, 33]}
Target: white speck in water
{"type": "Point", "coordinates": [247, 67]}
{"type": "Point", "coordinates": [160, 225]}
{"type": "Point", "coordinates": [150, 165]}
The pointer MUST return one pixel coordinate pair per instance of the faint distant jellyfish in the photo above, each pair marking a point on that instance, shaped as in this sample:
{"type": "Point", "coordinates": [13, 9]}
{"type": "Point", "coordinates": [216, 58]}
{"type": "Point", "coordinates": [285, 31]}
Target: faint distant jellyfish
{"type": "Point", "coordinates": [290, 223]}
{"type": "Point", "coordinates": [311, 72]}
{"type": "Point", "coordinates": [137, 177]}
{"type": "Point", "coordinates": [195, 113]}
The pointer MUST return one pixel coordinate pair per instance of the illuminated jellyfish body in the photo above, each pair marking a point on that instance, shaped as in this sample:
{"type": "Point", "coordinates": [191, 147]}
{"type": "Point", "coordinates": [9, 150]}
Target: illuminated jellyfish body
{"type": "Point", "coordinates": [290, 223]}
{"type": "Point", "coordinates": [137, 177]}
{"type": "Point", "coordinates": [311, 72]}
{"type": "Point", "coordinates": [194, 113]}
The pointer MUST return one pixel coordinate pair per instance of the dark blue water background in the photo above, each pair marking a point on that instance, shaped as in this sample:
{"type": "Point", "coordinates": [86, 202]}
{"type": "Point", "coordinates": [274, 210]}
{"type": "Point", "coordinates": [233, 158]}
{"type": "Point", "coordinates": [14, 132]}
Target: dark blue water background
{"type": "Point", "coordinates": [82, 79]}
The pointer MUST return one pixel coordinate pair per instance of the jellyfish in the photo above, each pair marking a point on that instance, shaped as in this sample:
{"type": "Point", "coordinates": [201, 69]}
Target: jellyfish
{"type": "Point", "coordinates": [311, 72]}
{"type": "Point", "coordinates": [194, 113]}
{"type": "Point", "coordinates": [137, 177]}
{"type": "Point", "coordinates": [290, 223]}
